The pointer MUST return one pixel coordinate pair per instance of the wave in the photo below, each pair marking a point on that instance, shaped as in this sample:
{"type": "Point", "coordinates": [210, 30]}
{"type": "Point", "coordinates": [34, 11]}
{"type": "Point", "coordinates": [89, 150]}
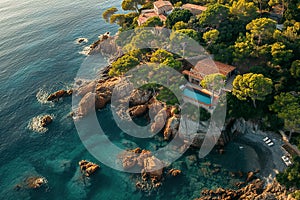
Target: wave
{"type": "Point", "coordinates": [42, 96]}
{"type": "Point", "coordinates": [35, 124]}
{"type": "Point", "coordinates": [85, 51]}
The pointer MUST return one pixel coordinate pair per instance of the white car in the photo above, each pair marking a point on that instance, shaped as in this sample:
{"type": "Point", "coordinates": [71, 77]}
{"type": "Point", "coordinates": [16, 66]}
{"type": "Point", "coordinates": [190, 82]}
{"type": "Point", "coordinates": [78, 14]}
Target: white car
{"type": "Point", "coordinates": [268, 141]}
{"type": "Point", "coordinates": [265, 139]}
{"type": "Point", "coordinates": [286, 161]}
{"type": "Point", "coordinates": [270, 144]}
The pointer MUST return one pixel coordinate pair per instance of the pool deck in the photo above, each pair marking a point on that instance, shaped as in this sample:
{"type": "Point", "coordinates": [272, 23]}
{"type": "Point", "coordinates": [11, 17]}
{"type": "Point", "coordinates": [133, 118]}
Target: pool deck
{"type": "Point", "coordinates": [208, 107]}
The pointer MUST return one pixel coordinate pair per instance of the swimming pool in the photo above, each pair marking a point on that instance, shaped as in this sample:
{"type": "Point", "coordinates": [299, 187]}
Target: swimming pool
{"type": "Point", "coordinates": [197, 95]}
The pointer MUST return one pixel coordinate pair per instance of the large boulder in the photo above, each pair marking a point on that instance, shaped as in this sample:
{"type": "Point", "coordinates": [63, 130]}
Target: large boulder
{"type": "Point", "coordinates": [86, 104]}
{"type": "Point", "coordinates": [142, 156]}
{"type": "Point", "coordinates": [174, 172]}
{"type": "Point", "coordinates": [86, 88]}
{"type": "Point", "coordinates": [129, 162]}
{"type": "Point", "coordinates": [159, 121]}
{"type": "Point", "coordinates": [154, 107]}
{"type": "Point", "coordinates": [88, 168]}
{"type": "Point", "coordinates": [154, 167]}
{"type": "Point", "coordinates": [45, 120]}
{"type": "Point", "coordinates": [138, 110]}
{"type": "Point", "coordinates": [101, 99]}
{"type": "Point", "coordinates": [35, 182]}
{"type": "Point", "coordinates": [139, 97]}
{"type": "Point", "coordinates": [59, 94]}
{"type": "Point", "coordinates": [107, 84]}
{"type": "Point", "coordinates": [171, 127]}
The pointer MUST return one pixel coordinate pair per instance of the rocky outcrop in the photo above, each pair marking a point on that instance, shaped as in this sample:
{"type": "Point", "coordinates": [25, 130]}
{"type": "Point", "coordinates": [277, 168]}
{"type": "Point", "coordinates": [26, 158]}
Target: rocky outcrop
{"type": "Point", "coordinates": [95, 95]}
{"type": "Point", "coordinates": [86, 104]}
{"type": "Point", "coordinates": [151, 167]}
{"type": "Point", "coordinates": [242, 126]}
{"type": "Point", "coordinates": [154, 107]}
{"type": "Point", "coordinates": [171, 127]}
{"type": "Point", "coordinates": [88, 168]}
{"type": "Point", "coordinates": [251, 175]}
{"type": "Point", "coordinates": [59, 94]}
{"type": "Point", "coordinates": [174, 172]}
{"type": "Point", "coordinates": [81, 40]}
{"type": "Point", "coordinates": [35, 182]}
{"type": "Point", "coordinates": [86, 88]}
{"type": "Point", "coordinates": [160, 120]}
{"type": "Point", "coordinates": [45, 120]}
{"type": "Point", "coordinates": [138, 110]}
{"type": "Point", "coordinates": [144, 160]}
{"type": "Point", "coordinates": [139, 97]}
{"type": "Point", "coordinates": [254, 190]}
{"type": "Point", "coordinates": [154, 167]}
{"type": "Point", "coordinates": [106, 46]}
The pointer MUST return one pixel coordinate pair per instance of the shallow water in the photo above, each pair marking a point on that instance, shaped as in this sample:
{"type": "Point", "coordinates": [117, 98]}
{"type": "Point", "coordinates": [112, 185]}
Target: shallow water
{"type": "Point", "coordinates": [39, 55]}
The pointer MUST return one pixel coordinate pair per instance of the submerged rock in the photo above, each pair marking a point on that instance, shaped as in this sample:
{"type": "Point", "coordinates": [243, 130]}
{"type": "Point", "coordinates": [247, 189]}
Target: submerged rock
{"type": "Point", "coordinates": [45, 120]}
{"type": "Point", "coordinates": [151, 167]}
{"type": "Point", "coordinates": [35, 182]}
{"type": "Point", "coordinates": [88, 168]}
{"type": "Point", "coordinates": [59, 94]}
{"type": "Point", "coordinates": [174, 172]}
{"type": "Point", "coordinates": [154, 167]}
{"type": "Point", "coordinates": [39, 123]}
{"type": "Point", "coordinates": [81, 40]}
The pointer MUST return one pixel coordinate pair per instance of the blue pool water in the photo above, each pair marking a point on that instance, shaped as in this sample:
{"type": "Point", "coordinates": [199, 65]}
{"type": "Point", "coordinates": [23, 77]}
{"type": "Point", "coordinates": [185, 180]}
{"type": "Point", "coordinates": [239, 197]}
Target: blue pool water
{"type": "Point", "coordinates": [197, 95]}
{"type": "Point", "coordinates": [38, 55]}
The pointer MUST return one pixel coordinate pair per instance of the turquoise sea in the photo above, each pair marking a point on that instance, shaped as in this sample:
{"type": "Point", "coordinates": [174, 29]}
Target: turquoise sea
{"type": "Point", "coordinates": [39, 55]}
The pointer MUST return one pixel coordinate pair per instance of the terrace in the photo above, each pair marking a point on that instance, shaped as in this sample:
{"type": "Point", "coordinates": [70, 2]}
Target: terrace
{"type": "Point", "coordinates": [197, 95]}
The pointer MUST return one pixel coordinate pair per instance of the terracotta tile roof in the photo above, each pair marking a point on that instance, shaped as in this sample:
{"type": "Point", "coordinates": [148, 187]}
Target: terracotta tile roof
{"type": "Point", "coordinates": [207, 66]}
{"type": "Point", "coordinates": [147, 15]}
{"type": "Point", "coordinates": [162, 17]}
{"type": "Point", "coordinates": [189, 73]}
{"type": "Point", "coordinates": [224, 68]}
{"type": "Point", "coordinates": [160, 4]}
{"type": "Point", "coordinates": [189, 6]}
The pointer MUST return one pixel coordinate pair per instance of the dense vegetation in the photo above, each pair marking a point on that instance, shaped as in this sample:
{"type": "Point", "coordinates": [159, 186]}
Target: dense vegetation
{"type": "Point", "coordinates": [245, 34]}
{"type": "Point", "coordinates": [291, 176]}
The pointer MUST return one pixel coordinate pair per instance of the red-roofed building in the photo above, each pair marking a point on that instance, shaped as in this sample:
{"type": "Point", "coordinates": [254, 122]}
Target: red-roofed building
{"type": "Point", "coordinates": [147, 14]}
{"type": "Point", "coordinates": [195, 9]}
{"type": "Point", "coordinates": [161, 9]}
{"type": "Point", "coordinates": [206, 67]}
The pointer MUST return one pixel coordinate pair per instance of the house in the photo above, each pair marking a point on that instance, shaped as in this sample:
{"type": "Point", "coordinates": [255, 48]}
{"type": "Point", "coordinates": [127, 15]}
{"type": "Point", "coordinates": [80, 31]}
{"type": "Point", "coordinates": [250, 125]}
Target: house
{"type": "Point", "coordinates": [195, 9]}
{"type": "Point", "coordinates": [199, 96]}
{"type": "Point", "coordinates": [206, 67]}
{"type": "Point", "coordinates": [147, 14]}
{"type": "Point", "coordinates": [162, 7]}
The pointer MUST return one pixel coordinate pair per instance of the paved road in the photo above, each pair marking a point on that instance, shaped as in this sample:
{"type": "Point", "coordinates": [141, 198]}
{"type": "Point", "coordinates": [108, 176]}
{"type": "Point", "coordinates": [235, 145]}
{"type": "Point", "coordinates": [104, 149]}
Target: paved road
{"type": "Point", "coordinates": [270, 157]}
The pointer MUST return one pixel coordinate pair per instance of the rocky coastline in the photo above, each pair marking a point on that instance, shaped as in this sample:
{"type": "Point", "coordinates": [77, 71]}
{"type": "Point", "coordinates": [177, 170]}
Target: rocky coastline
{"type": "Point", "coordinates": [256, 189]}
{"type": "Point", "coordinates": [97, 94]}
